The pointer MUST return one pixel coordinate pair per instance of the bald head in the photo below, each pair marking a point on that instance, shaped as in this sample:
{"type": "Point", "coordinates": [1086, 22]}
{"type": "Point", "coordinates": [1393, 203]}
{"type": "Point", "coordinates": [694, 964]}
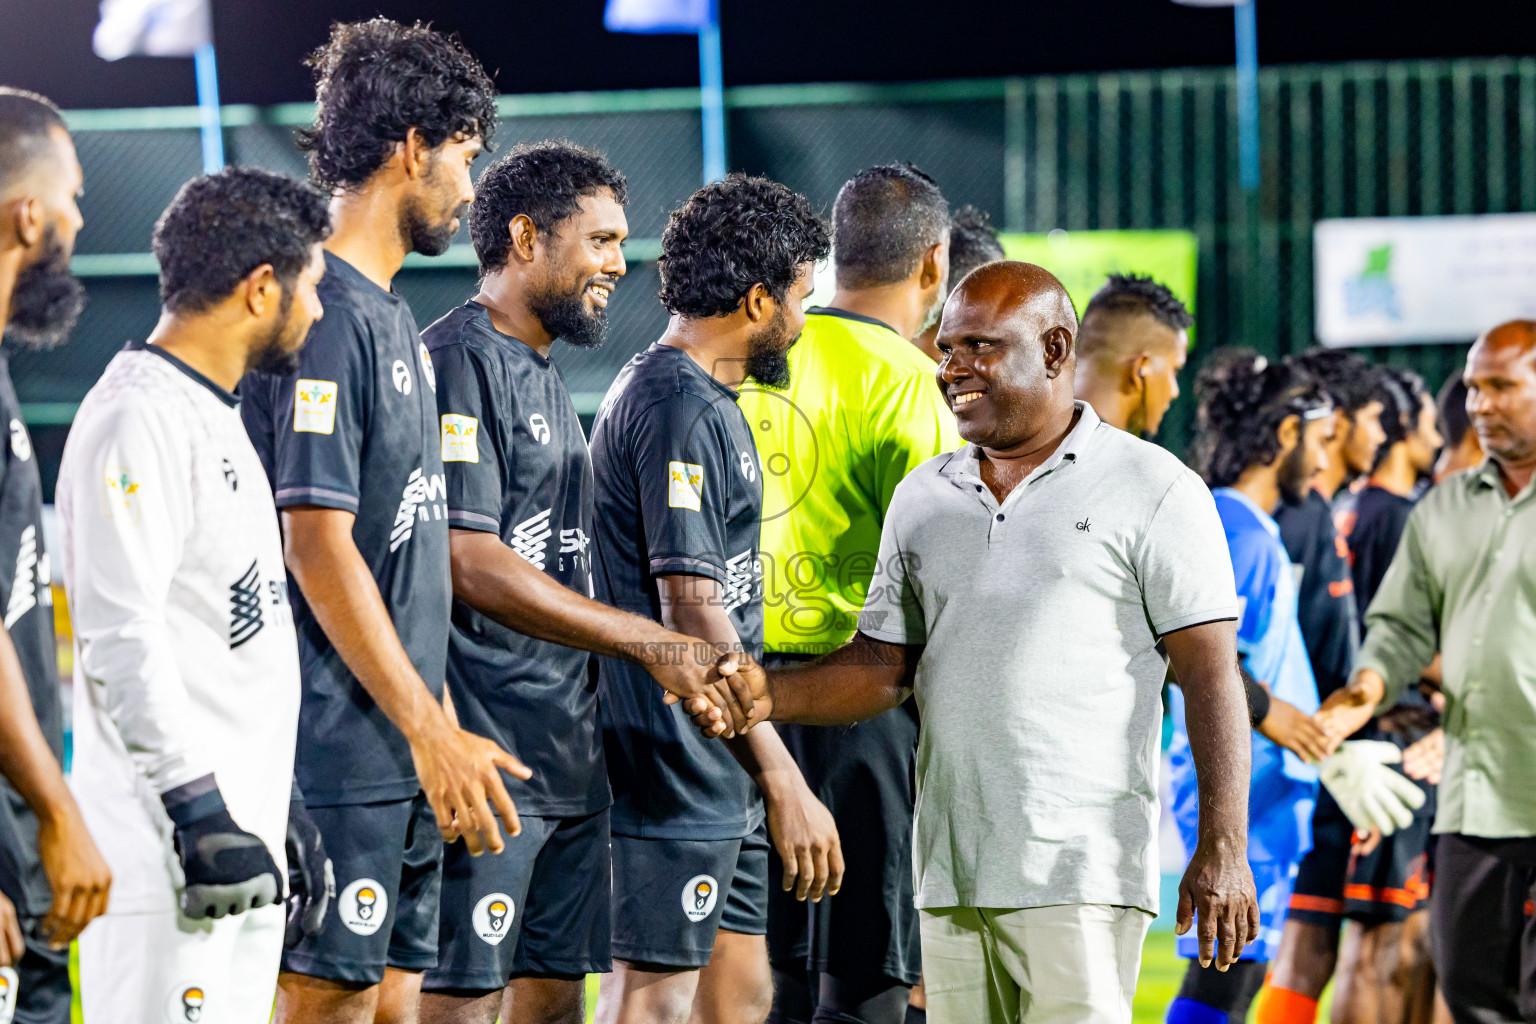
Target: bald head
{"type": "Point", "coordinates": [1501, 393]}
{"type": "Point", "coordinates": [1006, 345]}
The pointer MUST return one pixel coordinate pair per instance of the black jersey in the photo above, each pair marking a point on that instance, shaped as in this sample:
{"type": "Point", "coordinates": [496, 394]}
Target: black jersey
{"type": "Point", "coordinates": [1376, 524]}
{"type": "Point", "coordinates": [1325, 599]}
{"type": "Point", "coordinates": [26, 594]}
{"type": "Point", "coordinates": [678, 493]}
{"type": "Point", "coordinates": [355, 428]}
{"type": "Point", "coordinates": [518, 467]}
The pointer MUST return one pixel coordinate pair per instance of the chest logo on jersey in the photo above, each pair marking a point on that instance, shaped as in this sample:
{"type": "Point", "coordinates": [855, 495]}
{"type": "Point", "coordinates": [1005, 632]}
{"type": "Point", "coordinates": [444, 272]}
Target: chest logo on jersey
{"type": "Point", "coordinates": [314, 406]}
{"type": "Point", "coordinates": [748, 467]}
{"type": "Point", "coordinates": [427, 372]}
{"type": "Point", "coordinates": [31, 585]}
{"type": "Point", "coordinates": [10, 989]}
{"type": "Point", "coordinates": [685, 485]}
{"type": "Point", "coordinates": [230, 476]}
{"type": "Point", "coordinates": [185, 1004]}
{"type": "Point", "coordinates": [530, 538]}
{"type": "Point", "coordinates": [743, 575]}
{"type": "Point", "coordinates": [461, 438]}
{"type": "Point", "coordinates": [21, 444]}
{"type": "Point", "coordinates": [540, 427]}
{"type": "Point", "coordinates": [401, 375]}
{"type": "Point", "coordinates": [245, 619]}
{"type": "Point", "coordinates": [421, 493]}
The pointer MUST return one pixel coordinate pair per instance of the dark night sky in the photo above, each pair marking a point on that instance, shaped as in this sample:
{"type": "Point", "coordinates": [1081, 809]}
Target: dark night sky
{"type": "Point", "coordinates": [556, 45]}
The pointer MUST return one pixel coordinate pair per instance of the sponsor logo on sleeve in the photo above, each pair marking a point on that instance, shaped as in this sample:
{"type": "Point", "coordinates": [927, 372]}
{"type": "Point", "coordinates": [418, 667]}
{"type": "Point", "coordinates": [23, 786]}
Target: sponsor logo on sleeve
{"type": "Point", "coordinates": [122, 495]}
{"type": "Point", "coordinates": [185, 1004]}
{"type": "Point", "coordinates": [314, 406]}
{"type": "Point", "coordinates": [685, 486]}
{"type": "Point", "coordinates": [699, 897]}
{"type": "Point", "coordinates": [427, 372]}
{"type": "Point", "coordinates": [363, 906]}
{"type": "Point", "coordinates": [492, 918]}
{"type": "Point", "coordinates": [21, 443]}
{"type": "Point", "coordinates": [461, 438]}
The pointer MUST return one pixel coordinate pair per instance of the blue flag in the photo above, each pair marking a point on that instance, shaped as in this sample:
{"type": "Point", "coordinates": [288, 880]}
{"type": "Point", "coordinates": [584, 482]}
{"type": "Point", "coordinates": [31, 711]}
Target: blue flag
{"type": "Point", "coordinates": [657, 16]}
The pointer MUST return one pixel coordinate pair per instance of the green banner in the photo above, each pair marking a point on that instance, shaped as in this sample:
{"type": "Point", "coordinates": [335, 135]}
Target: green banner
{"type": "Point", "coordinates": [1083, 260]}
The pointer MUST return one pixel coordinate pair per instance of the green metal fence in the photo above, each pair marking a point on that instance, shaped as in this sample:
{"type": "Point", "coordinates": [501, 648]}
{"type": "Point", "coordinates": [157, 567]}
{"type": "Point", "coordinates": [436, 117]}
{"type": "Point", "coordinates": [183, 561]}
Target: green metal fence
{"type": "Point", "coordinates": [1153, 149]}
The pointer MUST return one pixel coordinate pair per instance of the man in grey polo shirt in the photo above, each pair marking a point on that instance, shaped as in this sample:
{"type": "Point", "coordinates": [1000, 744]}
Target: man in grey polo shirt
{"type": "Point", "coordinates": [1032, 588]}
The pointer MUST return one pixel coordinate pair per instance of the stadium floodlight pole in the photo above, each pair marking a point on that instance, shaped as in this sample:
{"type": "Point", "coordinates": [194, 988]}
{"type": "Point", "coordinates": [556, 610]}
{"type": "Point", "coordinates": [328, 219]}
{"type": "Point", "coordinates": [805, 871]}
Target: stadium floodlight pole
{"type": "Point", "coordinates": [207, 68]}
{"type": "Point", "coordinates": [712, 94]}
{"type": "Point", "coordinates": [1246, 29]}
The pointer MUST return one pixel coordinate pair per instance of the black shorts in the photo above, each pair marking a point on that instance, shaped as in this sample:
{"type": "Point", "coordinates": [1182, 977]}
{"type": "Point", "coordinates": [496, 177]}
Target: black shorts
{"type": "Point", "coordinates": [1393, 880]}
{"type": "Point", "coordinates": [1318, 895]}
{"type": "Point", "coordinates": [388, 860]}
{"type": "Point", "coordinates": [540, 907]}
{"type": "Point", "coordinates": [670, 896]}
{"type": "Point", "coordinates": [864, 773]}
{"type": "Point", "coordinates": [36, 990]}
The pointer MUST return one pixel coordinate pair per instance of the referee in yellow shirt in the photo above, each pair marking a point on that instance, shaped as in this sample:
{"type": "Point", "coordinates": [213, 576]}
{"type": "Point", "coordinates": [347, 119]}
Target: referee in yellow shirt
{"type": "Point", "coordinates": [861, 411]}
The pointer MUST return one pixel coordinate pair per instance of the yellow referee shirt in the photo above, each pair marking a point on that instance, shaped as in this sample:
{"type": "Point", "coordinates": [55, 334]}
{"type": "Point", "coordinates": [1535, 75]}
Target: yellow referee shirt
{"type": "Point", "coordinates": [862, 410]}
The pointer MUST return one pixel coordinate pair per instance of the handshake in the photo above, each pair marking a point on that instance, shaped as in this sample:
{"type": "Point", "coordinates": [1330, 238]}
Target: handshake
{"type": "Point", "coordinates": [725, 695]}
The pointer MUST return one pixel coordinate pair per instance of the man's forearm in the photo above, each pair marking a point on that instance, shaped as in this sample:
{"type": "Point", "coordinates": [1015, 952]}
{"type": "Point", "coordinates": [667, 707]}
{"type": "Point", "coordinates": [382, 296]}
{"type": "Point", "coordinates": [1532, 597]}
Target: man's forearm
{"type": "Point", "coordinates": [762, 755]}
{"type": "Point", "coordinates": [341, 590]}
{"type": "Point", "coordinates": [496, 581]}
{"type": "Point", "coordinates": [26, 760]}
{"type": "Point", "coordinates": [1216, 721]}
{"type": "Point", "coordinates": [859, 680]}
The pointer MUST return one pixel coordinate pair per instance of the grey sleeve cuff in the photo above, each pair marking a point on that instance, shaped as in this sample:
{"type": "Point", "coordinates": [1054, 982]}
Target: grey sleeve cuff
{"type": "Point", "coordinates": [192, 801]}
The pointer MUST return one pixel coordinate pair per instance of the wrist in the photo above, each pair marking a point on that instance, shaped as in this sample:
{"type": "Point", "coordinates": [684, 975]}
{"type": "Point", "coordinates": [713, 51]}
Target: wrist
{"type": "Point", "coordinates": [193, 801]}
{"type": "Point", "coordinates": [780, 783]}
{"type": "Point", "coordinates": [429, 727]}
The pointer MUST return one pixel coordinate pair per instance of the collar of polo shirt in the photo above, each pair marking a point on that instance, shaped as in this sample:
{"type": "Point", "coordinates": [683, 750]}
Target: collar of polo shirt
{"type": "Point", "coordinates": [966, 470]}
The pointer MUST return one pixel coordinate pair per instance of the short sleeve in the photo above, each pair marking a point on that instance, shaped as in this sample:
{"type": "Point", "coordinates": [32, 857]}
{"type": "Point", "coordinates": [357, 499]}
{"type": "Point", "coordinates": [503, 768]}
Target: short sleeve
{"type": "Point", "coordinates": [892, 611]}
{"type": "Point", "coordinates": [681, 467]}
{"type": "Point", "coordinates": [1182, 561]}
{"type": "Point", "coordinates": [320, 417]}
{"type": "Point", "coordinates": [473, 455]}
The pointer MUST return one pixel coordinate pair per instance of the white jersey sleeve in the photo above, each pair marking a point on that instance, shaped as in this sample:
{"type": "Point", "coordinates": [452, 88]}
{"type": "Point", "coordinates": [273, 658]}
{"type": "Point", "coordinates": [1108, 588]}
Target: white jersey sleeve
{"type": "Point", "coordinates": [133, 504]}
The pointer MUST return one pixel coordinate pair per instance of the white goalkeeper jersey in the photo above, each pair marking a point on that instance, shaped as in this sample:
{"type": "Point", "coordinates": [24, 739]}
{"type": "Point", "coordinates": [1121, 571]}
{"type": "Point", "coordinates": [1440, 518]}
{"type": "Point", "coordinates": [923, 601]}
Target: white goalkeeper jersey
{"type": "Point", "coordinates": [186, 660]}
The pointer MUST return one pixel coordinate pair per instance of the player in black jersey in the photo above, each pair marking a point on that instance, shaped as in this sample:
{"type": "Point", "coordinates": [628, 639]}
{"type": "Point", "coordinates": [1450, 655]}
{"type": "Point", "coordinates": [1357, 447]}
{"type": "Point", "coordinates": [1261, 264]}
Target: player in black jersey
{"type": "Point", "coordinates": [53, 880]}
{"type": "Point", "coordinates": [678, 509]}
{"type": "Point", "coordinates": [548, 223]}
{"type": "Point", "coordinates": [352, 445]}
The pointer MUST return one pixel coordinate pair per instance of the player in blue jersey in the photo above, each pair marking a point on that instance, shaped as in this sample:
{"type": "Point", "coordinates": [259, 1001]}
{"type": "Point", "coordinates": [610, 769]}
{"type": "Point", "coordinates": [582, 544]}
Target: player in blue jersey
{"type": "Point", "coordinates": [1262, 436]}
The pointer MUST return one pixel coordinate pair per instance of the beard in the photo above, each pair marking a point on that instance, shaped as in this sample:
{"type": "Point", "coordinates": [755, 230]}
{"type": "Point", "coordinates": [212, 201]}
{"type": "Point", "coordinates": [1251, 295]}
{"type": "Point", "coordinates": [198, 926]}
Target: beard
{"type": "Point", "coordinates": [1293, 478]}
{"type": "Point", "coordinates": [565, 316]}
{"type": "Point", "coordinates": [935, 312]}
{"type": "Point", "coordinates": [423, 233]}
{"type": "Point", "coordinates": [47, 299]}
{"type": "Point", "coordinates": [768, 354]}
{"type": "Point", "coordinates": [277, 355]}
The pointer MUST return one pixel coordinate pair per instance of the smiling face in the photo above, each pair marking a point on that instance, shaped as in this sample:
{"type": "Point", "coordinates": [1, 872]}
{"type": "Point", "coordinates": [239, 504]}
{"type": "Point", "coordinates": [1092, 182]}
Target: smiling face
{"type": "Point", "coordinates": [580, 263]}
{"type": "Point", "coordinates": [1004, 345]}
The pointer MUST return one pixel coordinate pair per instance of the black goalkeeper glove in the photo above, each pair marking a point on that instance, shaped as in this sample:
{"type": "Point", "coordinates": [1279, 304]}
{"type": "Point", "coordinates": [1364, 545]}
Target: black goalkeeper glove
{"type": "Point", "coordinates": [227, 870]}
{"type": "Point", "coordinates": [311, 878]}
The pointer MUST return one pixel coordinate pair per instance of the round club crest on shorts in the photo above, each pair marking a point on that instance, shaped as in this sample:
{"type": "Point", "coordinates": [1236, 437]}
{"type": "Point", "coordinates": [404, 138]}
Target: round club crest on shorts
{"type": "Point", "coordinates": [699, 897]}
{"type": "Point", "coordinates": [185, 1004]}
{"type": "Point", "coordinates": [10, 991]}
{"type": "Point", "coordinates": [492, 918]}
{"type": "Point", "coordinates": [363, 906]}
{"type": "Point", "coordinates": [21, 444]}
{"type": "Point", "coordinates": [402, 376]}
{"type": "Point", "coordinates": [426, 365]}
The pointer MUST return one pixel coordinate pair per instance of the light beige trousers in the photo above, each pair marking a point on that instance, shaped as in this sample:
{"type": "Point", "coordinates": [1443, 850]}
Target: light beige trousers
{"type": "Point", "coordinates": [1073, 964]}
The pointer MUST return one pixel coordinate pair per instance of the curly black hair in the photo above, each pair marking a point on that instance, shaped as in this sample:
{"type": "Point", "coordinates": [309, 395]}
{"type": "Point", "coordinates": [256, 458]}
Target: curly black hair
{"type": "Point", "coordinates": [545, 181]}
{"type": "Point", "coordinates": [883, 220]}
{"type": "Point", "coordinates": [1242, 400]}
{"type": "Point", "coordinates": [972, 242]}
{"type": "Point", "coordinates": [1405, 391]}
{"type": "Point", "coordinates": [732, 234]}
{"type": "Point", "coordinates": [1352, 380]}
{"type": "Point", "coordinates": [222, 226]}
{"type": "Point", "coordinates": [1140, 293]}
{"type": "Point", "coordinates": [26, 119]}
{"type": "Point", "coordinates": [374, 81]}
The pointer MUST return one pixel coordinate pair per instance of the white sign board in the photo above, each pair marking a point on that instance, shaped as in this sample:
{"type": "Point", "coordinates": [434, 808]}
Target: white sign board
{"type": "Point", "coordinates": [1395, 280]}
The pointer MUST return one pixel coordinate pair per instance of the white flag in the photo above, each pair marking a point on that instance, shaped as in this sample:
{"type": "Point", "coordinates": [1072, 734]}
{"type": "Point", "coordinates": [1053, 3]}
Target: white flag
{"type": "Point", "coordinates": [154, 28]}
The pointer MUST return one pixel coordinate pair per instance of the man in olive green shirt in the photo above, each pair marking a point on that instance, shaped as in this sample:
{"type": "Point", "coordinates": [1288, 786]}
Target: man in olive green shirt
{"type": "Point", "coordinates": [1462, 584]}
{"type": "Point", "coordinates": [862, 410]}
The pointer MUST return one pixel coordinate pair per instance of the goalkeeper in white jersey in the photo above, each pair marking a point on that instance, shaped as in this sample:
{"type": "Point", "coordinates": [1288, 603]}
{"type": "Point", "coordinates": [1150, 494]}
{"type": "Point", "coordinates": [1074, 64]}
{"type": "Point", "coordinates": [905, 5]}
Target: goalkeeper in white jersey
{"type": "Point", "coordinates": [187, 673]}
